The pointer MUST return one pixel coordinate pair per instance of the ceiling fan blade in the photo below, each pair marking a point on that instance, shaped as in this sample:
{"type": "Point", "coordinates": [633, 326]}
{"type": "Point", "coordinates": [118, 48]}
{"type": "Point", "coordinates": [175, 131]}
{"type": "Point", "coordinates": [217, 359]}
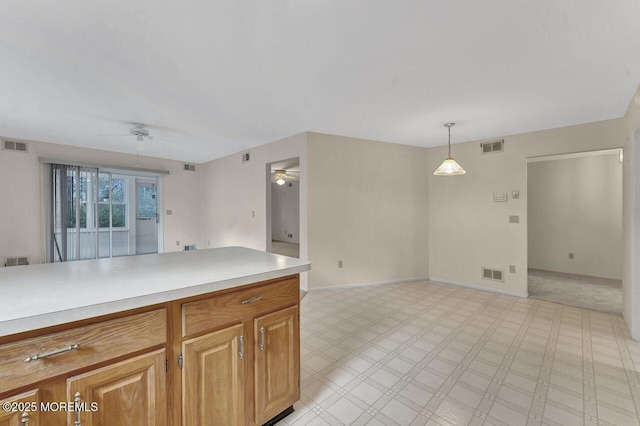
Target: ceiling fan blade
{"type": "Point", "coordinates": [155, 138]}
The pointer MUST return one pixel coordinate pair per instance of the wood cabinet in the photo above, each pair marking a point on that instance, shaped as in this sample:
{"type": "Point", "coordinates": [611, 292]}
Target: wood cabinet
{"type": "Point", "coordinates": [130, 392]}
{"type": "Point", "coordinates": [213, 378]}
{"type": "Point", "coordinates": [115, 366]}
{"type": "Point", "coordinates": [277, 361]}
{"type": "Point", "coordinates": [225, 358]}
{"type": "Point", "coordinates": [23, 409]}
{"type": "Point", "coordinates": [249, 341]}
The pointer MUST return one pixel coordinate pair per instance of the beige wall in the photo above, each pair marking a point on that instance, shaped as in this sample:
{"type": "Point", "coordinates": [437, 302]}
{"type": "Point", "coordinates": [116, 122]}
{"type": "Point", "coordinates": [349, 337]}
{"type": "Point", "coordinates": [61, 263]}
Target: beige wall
{"type": "Point", "coordinates": [368, 208]}
{"type": "Point", "coordinates": [575, 206]}
{"type": "Point", "coordinates": [631, 217]}
{"type": "Point", "coordinates": [467, 230]}
{"type": "Point", "coordinates": [235, 196]}
{"type": "Point", "coordinates": [22, 214]}
{"type": "Point", "coordinates": [362, 202]}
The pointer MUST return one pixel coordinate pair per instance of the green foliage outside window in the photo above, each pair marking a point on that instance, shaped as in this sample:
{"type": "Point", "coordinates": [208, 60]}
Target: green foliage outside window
{"type": "Point", "coordinates": [118, 204]}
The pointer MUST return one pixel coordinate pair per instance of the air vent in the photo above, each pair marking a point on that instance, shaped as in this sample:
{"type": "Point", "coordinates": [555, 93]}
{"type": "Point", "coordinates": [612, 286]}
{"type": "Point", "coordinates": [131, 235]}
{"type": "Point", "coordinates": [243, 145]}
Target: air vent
{"type": "Point", "coordinates": [16, 261]}
{"type": "Point", "coordinates": [14, 146]}
{"type": "Point", "coordinates": [245, 157]}
{"type": "Point", "coordinates": [190, 167]}
{"type": "Point", "coordinates": [493, 146]}
{"type": "Point", "coordinates": [493, 274]}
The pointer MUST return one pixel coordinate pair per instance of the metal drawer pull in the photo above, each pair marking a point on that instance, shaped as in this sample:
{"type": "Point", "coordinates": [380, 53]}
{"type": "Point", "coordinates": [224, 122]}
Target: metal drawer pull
{"type": "Point", "coordinates": [54, 352]}
{"type": "Point", "coordinates": [77, 400]}
{"type": "Point", "coordinates": [251, 300]}
{"type": "Point", "coordinates": [261, 338]}
{"type": "Point", "coordinates": [241, 353]}
{"type": "Point", "coordinates": [24, 419]}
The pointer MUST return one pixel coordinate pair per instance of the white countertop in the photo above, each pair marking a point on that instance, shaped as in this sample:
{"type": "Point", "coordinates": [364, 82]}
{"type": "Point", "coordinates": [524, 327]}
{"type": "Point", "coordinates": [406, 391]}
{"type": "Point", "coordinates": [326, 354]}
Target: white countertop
{"type": "Point", "coordinates": [38, 296]}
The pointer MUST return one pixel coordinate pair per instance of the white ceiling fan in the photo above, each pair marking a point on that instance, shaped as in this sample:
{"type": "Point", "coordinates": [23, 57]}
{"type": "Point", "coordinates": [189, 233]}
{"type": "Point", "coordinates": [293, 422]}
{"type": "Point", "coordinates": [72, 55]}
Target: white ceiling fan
{"type": "Point", "coordinates": [280, 176]}
{"type": "Point", "coordinates": [141, 132]}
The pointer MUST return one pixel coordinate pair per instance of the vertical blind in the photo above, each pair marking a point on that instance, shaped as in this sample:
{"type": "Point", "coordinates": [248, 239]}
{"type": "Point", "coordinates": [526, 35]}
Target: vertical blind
{"type": "Point", "coordinates": [74, 199]}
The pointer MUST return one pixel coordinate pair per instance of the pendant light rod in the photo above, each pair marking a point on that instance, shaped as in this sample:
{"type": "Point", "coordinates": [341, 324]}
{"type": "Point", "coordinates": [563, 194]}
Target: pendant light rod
{"type": "Point", "coordinates": [449, 126]}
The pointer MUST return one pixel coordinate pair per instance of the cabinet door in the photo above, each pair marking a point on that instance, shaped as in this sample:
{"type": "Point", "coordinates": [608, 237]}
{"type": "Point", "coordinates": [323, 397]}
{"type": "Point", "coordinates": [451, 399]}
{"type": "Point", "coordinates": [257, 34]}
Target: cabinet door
{"type": "Point", "coordinates": [277, 361]}
{"type": "Point", "coordinates": [23, 411]}
{"type": "Point", "coordinates": [213, 379]}
{"type": "Point", "coordinates": [130, 392]}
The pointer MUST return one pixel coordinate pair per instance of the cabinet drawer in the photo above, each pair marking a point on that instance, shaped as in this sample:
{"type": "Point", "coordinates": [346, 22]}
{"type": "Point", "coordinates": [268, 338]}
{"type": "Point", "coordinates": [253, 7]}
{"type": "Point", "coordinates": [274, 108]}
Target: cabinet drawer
{"type": "Point", "coordinates": [96, 343]}
{"type": "Point", "coordinates": [238, 306]}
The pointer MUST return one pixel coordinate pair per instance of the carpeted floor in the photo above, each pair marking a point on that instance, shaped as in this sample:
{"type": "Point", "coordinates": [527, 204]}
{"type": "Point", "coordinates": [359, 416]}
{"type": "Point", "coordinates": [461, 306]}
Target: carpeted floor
{"type": "Point", "coordinates": [600, 294]}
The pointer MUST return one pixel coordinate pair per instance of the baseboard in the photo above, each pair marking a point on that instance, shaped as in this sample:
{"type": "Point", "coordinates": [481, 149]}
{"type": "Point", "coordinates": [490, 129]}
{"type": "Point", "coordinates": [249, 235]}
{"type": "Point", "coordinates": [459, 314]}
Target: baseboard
{"type": "Point", "coordinates": [477, 287]}
{"type": "Point", "coordinates": [405, 280]}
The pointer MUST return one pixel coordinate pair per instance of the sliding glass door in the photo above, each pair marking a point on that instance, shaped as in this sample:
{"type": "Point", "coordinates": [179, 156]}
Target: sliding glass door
{"type": "Point", "coordinates": [99, 213]}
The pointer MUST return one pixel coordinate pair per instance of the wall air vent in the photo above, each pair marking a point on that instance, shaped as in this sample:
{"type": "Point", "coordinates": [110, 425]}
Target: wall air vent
{"type": "Point", "coordinates": [245, 157]}
{"type": "Point", "coordinates": [493, 146]}
{"type": "Point", "coordinates": [493, 274]}
{"type": "Point", "coordinates": [8, 145]}
{"type": "Point", "coordinates": [16, 261]}
{"type": "Point", "coordinates": [190, 167]}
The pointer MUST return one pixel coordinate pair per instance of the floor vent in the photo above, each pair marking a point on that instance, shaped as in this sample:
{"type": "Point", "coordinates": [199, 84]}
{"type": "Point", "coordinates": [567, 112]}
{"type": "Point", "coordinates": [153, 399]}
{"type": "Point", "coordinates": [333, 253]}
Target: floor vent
{"type": "Point", "coordinates": [14, 146]}
{"type": "Point", "coordinates": [16, 261]}
{"type": "Point", "coordinates": [493, 274]}
{"type": "Point", "coordinates": [190, 167]}
{"type": "Point", "coordinates": [493, 146]}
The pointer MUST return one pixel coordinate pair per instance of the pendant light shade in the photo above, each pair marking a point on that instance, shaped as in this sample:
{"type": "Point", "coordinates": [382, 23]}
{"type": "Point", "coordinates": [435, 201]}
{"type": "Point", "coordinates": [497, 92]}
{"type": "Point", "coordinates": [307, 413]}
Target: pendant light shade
{"type": "Point", "coordinates": [449, 166]}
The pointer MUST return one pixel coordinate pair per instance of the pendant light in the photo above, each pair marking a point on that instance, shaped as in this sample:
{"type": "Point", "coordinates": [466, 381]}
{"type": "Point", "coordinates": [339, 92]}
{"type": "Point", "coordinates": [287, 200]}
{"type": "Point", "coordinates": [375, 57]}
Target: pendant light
{"type": "Point", "coordinates": [449, 167]}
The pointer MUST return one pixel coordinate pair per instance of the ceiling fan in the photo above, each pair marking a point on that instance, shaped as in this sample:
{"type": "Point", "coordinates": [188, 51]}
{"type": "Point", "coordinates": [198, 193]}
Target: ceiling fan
{"type": "Point", "coordinates": [141, 133]}
{"type": "Point", "coordinates": [280, 176]}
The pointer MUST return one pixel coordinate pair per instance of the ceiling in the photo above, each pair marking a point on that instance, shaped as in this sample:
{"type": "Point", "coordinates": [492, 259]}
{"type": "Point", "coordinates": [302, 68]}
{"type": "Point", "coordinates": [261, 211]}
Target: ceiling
{"type": "Point", "coordinates": [212, 78]}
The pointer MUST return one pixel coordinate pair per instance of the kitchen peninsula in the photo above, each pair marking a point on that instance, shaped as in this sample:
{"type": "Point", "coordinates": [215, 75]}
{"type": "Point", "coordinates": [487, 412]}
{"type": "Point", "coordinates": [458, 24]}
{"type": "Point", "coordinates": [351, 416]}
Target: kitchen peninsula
{"type": "Point", "coordinates": [197, 337]}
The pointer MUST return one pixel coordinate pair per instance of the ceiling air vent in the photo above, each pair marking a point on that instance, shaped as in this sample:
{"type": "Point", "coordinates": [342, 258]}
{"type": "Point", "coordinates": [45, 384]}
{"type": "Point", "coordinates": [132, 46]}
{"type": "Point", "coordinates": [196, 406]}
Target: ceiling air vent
{"type": "Point", "coordinates": [493, 146]}
{"type": "Point", "coordinates": [14, 146]}
{"type": "Point", "coordinates": [16, 261]}
{"type": "Point", "coordinates": [492, 274]}
{"type": "Point", "coordinates": [190, 167]}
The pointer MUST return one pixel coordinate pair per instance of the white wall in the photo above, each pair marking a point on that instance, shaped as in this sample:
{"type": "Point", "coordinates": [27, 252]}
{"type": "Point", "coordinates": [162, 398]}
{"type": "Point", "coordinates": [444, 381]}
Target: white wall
{"type": "Point", "coordinates": [467, 230]}
{"type": "Point", "coordinates": [575, 206]}
{"type": "Point", "coordinates": [22, 193]}
{"type": "Point", "coordinates": [285, 212]}
{"type": "Point", "coordinates": [368, 208]}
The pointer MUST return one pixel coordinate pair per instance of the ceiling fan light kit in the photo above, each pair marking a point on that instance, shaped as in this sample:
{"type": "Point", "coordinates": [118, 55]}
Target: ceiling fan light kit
{"type": "Point", "coordinates": [279, 176]}
{"type": "Point", "coordinates": [139, 131]}
{"type": "Point", "coordinates": [449, 166]}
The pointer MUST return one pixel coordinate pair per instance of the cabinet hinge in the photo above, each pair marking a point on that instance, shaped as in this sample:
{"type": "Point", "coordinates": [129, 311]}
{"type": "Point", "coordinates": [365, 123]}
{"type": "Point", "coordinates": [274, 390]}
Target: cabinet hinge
{"type": "Point", "coordinates": [166, 365]}
{"type": "Point", "coordinates": [180, 360]}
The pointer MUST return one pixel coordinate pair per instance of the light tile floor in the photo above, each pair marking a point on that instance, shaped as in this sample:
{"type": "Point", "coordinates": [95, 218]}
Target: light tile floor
{"type": "Point", "coordinates": [428, 353]}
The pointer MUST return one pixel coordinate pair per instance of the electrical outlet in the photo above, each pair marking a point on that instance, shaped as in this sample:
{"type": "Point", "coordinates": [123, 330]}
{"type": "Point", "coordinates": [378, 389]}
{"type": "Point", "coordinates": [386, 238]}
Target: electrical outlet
{"type": "Point", "coordinates": [570, 255]}
{"type": "Point", "coordinates": [512, 269]}
{"type": "Point", "coordinates": [177, 243]}
{"type": "Point", "coordinates": [169, 212]}
{"type": "Point", "coordinates": [339, 263]}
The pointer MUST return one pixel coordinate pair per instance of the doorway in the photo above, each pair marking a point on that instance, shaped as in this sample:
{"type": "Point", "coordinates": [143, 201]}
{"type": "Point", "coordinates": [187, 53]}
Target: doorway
{"type": "Point", "coordinates": [147, 217]}
{"type": "Point", "coordinates": [575, 244]}
{"type": "Point", "coordinates": [283, 207]}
